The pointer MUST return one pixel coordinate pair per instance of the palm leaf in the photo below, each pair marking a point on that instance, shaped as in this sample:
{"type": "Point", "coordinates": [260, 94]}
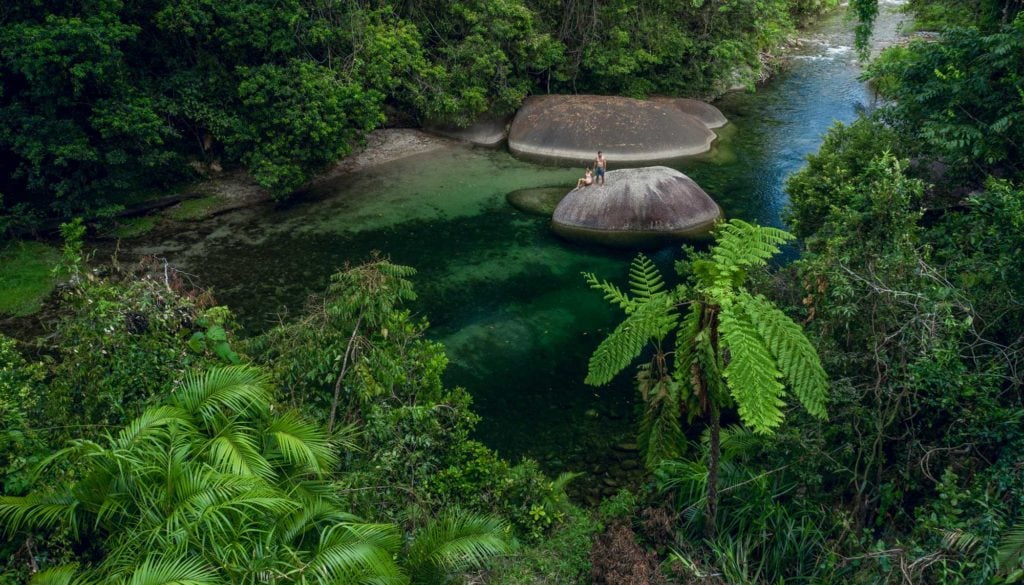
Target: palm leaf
{"type": "Point", "coordinates": [173, 572]}
{"type": "Point", "coordinates": [455, 542]}
{"type": "Point", "coordinates": [1010, 554]}
{"type": "Point", "coordinates": [301, 443]}
{"type": "Point", "coordinates": [62, 575]}
{"type": "Point", "coordinates": [229, 389]}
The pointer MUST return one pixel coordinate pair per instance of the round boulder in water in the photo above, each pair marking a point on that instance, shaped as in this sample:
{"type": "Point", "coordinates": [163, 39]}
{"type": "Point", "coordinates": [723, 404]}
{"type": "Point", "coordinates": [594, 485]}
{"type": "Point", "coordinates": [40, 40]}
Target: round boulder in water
{"type": "Point", "coordinates": [537, 201]}
{"type": "Point", "coordinates": [572, 128]}
{"type": "Point", "coordinates": [637, 207]}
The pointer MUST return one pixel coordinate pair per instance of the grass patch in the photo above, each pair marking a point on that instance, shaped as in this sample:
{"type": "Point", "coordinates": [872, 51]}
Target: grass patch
{"type": "Point", "coordinates": [561, 559]}
{"type": "Point", "coordinates": [134, 227]}
{"type": "Point", "coordinates": [195, 209]}
{"type": "Point", "coordinates": [25, 276]}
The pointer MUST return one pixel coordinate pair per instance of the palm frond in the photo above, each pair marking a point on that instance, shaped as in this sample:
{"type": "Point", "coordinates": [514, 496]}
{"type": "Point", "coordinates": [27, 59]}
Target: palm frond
{"type": "Point", "coordinates": [234, 389]}
{"type": "Point", "coordinates": [301, 443]}
{"type": "Point", "coordinates": [62, 575]}
{"type": "Point", "coordinates": [356, 553]}
{"type": "Point", "coordinates": [151, 424]}
{"type": "Point", "coordinates": [454, 542]}
{"type": "Point", "coordinates": [1010, 553]}
{"type": "Point", "coordinates": [172, 571]}
{"type": "Point", "coordinates": [37, 511]}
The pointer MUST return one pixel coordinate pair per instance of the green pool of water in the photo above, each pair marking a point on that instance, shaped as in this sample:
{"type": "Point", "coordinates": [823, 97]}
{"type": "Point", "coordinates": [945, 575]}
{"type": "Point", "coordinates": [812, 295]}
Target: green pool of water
{"type": "Point", "coordinates": [503, 294]}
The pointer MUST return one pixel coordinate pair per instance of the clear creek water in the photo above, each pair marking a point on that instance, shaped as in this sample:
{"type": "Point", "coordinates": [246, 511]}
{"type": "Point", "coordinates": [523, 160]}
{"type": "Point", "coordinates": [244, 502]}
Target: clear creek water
{"type": "Point", "coordinates": [503, 294]}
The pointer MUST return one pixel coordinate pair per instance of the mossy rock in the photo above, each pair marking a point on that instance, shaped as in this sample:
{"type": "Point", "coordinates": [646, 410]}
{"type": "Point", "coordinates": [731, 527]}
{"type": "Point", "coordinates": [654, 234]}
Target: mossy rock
{"type": "Point", "coordinates": [537, 201]}
{"type": "Point", "coordinates": [134, 227]}
{"type": "Point", "coordinates": [637, 208]}
{"type": "Point", "coordinates": [26, 276]}
{"type": "Point", "coordinates": [195, 209]}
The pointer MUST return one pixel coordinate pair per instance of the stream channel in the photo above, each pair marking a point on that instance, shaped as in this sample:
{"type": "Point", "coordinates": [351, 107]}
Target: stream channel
{"type": "Point", "coordinates": [504, 295]}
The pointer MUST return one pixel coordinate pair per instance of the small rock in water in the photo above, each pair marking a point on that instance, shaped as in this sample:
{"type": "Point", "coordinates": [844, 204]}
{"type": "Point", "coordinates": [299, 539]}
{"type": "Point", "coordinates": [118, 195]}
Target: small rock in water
{"type": "Point", "coordinates": [592, 413]}
{"type": "Point", "coordinates": [628, 447]}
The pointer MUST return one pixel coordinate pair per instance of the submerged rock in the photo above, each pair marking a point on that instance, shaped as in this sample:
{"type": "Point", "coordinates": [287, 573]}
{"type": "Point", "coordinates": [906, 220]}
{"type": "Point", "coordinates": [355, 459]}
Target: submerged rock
{"type": "Point", "coordinates": [488, 130]}
{"type": "Point", "coordinates": [635, 208]}
{"type": "Point", "coordinates": [572, 128]}
{"type": "Point", "coordinates": [538, 201]}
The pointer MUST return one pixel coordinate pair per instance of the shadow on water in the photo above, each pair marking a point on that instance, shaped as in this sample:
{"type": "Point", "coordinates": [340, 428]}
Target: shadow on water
{"type": "Point", "coordinates": [503, 294]}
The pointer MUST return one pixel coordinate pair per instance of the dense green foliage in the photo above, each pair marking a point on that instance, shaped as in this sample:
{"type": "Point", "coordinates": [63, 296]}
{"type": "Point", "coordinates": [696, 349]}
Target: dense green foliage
{"type": "Point", "coordinates": [103, 102]}
{"type": "Point", "coordinates": [209, 467]}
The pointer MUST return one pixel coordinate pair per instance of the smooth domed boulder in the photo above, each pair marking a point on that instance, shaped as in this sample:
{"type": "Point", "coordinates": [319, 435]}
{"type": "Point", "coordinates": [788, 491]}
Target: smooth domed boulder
{"type": "Point", "coordinates": [572, 128]}
{"type": "Point", "coordinates": [489, 130]}
{"type": "Point", "coordinates": [711, 116]}
{"type": "Point", "coordinates": [637, 207]}
{"type": "Point", "coordinates": [537, 200]}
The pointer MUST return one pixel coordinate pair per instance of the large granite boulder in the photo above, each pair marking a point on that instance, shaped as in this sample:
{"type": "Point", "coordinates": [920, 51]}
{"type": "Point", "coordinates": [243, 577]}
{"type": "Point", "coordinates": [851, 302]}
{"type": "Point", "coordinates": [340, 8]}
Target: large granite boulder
{"type": "Point", "coordinates": [489, 130]}
{"type": "Point", "coordinates": [711, 116]}
{"type": "Point", "coordinates": [572, 128]}
{"type": "Point", "coordinates": [636, 208]}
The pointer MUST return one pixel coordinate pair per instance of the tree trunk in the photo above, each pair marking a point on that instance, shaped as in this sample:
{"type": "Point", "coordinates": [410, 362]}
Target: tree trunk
{"type": "Point", "coordinates": [341, 376]}
{"type": "Point", "coordinates": [714, 456]}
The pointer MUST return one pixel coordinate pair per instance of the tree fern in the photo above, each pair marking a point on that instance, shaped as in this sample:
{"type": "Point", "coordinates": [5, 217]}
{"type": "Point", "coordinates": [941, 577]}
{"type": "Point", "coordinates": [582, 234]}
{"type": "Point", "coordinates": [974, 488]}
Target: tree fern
{"type": "Point", "coordinates": [731, 348]}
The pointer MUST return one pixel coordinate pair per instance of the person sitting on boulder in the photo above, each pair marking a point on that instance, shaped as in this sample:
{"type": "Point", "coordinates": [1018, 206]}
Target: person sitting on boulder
{"type": "Point", "coordinates": [587, 180]}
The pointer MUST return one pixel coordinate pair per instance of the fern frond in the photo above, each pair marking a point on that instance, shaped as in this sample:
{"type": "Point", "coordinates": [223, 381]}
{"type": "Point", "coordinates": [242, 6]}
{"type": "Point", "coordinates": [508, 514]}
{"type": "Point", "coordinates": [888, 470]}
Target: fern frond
{"type": "Point", "coordinates": [738, 441]}
{"type": "Point", "coordinates": [751, 374]}
{"type": "Point", "coordinates": [661, 435]}
{"type": "Point", "coordinates": [650, 321]}
{"type": "Point", "coordinates": [612, 293]}
{"type": "Point", "coordinates": [793, 352]}
{"type": "Point", "coordinates": [645, 279]}
{"type": "Point", "coordinates": [740, 245]}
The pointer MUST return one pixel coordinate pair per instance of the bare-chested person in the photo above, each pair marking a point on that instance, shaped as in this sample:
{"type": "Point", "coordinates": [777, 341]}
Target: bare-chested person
{"type": "Point", "coordinates": [600, 166]}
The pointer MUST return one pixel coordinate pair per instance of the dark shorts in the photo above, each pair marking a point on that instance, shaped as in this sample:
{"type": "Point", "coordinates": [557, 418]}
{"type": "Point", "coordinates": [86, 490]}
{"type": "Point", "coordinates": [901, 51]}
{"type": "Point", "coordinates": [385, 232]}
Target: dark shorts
{"type": "Point", "coordinates": [599, 172]}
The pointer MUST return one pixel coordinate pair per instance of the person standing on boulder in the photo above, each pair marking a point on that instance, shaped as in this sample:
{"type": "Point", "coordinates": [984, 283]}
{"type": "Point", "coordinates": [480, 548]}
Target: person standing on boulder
{"type": "Point", "coordinates": [600, 166]}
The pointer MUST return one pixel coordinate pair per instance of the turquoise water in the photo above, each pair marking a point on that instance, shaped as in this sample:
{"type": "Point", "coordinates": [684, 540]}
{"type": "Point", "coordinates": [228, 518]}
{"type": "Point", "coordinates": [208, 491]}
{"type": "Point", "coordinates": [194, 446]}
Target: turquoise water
{"type": "Point", "coordinates": [503, 294]}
